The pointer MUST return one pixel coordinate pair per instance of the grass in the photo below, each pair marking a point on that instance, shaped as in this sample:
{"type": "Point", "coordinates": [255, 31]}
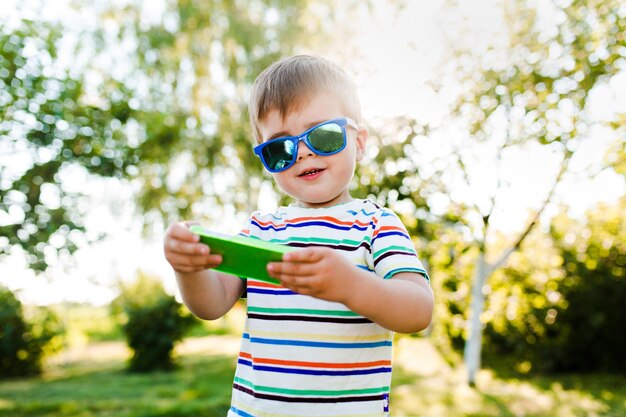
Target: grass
{"type": "Point", "coordinates": [91, 381]}
{"type": "Point", "coordinates": [440, 390]}
{"type": "Point", "coordinates": [94, 382]}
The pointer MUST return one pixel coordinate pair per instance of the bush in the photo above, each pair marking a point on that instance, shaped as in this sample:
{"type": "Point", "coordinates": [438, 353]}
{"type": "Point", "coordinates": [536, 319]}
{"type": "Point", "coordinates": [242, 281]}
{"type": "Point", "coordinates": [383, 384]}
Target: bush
{"type": "Point", "coordinates": [152, 322]}
{"type": "Point", "coordinates": [24, 345]}
{"type": "Point", "coordinates": [559, 305]}
{"type": "Point", "coordinates": [594, 256]}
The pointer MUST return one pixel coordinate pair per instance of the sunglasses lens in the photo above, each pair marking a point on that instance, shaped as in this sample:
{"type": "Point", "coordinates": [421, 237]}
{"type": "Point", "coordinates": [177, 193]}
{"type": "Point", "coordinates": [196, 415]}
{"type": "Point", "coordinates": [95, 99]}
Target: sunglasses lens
{"type": "Point", "coordinates": [278, 154]}
{"type": "Point", "coordinates": [327, 138]}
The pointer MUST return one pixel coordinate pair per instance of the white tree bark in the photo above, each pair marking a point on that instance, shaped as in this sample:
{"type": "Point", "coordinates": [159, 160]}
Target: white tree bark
{"type": "Point", "coordinates": [473, 346]}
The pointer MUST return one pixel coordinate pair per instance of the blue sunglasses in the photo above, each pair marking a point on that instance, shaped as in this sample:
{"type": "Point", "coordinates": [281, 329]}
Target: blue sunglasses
{"type": "Point", "coordinates": [324, 139]}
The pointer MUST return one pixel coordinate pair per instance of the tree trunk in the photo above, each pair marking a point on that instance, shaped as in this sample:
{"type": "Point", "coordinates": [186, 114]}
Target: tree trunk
{"type": "Point", "coordinates": [474, 343]}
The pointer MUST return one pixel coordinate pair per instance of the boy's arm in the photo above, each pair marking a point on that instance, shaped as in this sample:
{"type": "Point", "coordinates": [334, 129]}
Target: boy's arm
{"type": "Point", "coordinates": [208, 294]}
{"type": "Point", "coordinates": [403, 303]}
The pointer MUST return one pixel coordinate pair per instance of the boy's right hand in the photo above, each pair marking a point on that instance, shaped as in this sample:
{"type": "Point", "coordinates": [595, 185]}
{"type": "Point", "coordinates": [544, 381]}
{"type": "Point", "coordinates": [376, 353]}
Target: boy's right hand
{"type": "Point", "coordinates": [184, 251]}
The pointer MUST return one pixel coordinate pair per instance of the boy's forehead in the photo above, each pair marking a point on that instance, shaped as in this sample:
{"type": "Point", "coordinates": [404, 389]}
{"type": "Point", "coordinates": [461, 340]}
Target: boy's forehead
{"type": "Point", "coordinates": [291, 117]}
{"type": "Point", "coordinates": [276, 114]}
{"type": "Point", "coordinates": [273, 122]}
{"type": "Point", "coordinates": [294, 105]}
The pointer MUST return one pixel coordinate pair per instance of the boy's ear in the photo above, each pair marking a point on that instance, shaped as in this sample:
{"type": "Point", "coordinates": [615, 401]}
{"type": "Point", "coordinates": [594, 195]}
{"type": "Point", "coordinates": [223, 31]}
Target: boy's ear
{"type": "Point", "coordinates": [361, 138]}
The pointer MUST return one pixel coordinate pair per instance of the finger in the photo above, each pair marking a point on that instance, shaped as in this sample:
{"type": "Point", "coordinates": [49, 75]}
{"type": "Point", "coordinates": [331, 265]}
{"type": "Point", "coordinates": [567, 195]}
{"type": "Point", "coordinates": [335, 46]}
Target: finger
{"type": "Point", "coordinates": [288, 281]}
{"type": "Point", "coordinates": [301, 285]}
{"type": "Point", "coordinates": [291, 268]}
{"type": "Point", "coordinates": [195, 262]}
{"type": "Point", "coordinates": [180, 231]}
{"type": "Point", "coordinates": [304, 255]}
{"type": "Point", "coordinates": [184, 248]}
{"type": "Point", "coordinates": [293, 281]}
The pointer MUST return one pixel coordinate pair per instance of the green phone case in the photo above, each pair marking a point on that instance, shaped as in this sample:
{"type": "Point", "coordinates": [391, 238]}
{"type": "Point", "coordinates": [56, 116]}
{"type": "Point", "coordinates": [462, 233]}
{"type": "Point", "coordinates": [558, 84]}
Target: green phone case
{"type": "Point", "coordinates": [242, 256]}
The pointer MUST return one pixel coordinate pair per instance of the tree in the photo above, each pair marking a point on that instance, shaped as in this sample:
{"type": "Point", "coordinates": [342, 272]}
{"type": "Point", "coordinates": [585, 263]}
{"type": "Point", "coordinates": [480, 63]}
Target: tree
{"type": "Point", "coordinates": [536, 90]}
{"type": "Point", "coordinates": [528, 86]}
{"type": "Point", "coordinates": [158, 102]}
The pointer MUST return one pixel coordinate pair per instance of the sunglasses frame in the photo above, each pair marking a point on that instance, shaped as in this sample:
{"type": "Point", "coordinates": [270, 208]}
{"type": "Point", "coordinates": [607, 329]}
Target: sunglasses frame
{"type": "Point", "coordinates": [341, 121]}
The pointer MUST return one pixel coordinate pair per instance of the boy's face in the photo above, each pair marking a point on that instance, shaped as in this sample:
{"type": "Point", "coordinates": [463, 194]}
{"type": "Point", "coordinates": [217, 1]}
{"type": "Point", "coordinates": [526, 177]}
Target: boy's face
{"type": "Point", "coordinates": [315, 180]}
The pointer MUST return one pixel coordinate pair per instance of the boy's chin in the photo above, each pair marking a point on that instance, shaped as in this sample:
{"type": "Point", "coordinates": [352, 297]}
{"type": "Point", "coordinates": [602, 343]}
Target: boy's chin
{"type": "Point", "coordinates": [322, 201]}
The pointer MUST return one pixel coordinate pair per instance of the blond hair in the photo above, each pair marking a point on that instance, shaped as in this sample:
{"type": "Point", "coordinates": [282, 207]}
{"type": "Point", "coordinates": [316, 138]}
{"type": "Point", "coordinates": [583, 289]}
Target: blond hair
{"type": "Point", "coordinates": [287, 85]}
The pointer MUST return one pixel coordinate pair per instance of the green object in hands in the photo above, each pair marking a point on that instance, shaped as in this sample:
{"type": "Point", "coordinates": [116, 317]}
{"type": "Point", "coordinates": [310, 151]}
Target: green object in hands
{"type": "Point", "coordinates": [243, 256]}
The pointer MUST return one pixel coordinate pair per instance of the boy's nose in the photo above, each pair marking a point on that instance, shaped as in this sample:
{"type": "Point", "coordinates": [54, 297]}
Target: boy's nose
{"type": "Point", "coordinates": [304, 150]}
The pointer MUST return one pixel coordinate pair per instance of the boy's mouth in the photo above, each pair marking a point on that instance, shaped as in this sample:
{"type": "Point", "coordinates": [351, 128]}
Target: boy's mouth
{"type": "Point", "coordinates": [310, 172]}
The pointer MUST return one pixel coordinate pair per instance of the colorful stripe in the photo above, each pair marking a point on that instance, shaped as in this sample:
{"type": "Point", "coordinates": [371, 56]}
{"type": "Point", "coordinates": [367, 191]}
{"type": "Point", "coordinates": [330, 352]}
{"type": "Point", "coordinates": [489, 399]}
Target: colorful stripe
{"type": "Point", "coordinates": [294, 344]}
{"type": "Point", "coordinates": [316, 344]}
{"type": "Point", "coordinates": [394, 249]}
{"type": "Point", "coordinates": [395, 271]}
{"type": "Point", "coordinates": [311, 221]}
{"type": "Point", "coordinates": [269, 291]}
{"type": "Point", "coordinates": [273, 317]}
{"type": "Point", "coordinates": [304, 311]}
{"type": "Point", "coordinates": [315, 372]}
{"type": "Point", "coordinates": [307, 240]}
{"type": "Point", "coordinates": [310, 396]}
{"type": "Point", "coordinates": [240, 412]}
{"type": "Point", "coordinates": [245, 411]}
{"type": "Point", "coordinates": [305, 399]}
{"type": "Point", "coordinates": [305, 315]}
{"type": "Point", "coordinates": [343, 247]}
{"type": "Point", "coordinates": [325, 337]}
{"type": "Point", "coordinates": [301, 224]}
{"type": "Point", "coordinates": [309, 364]}
{"type": "Point", "coordinates": [391, 253]}
{"type": "Point", "coordinates": [314, 368]}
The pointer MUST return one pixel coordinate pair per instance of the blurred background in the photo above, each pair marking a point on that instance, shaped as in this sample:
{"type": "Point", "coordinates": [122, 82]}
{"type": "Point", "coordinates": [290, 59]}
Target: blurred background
{"type": "Point", "coordinates": [497, 133]}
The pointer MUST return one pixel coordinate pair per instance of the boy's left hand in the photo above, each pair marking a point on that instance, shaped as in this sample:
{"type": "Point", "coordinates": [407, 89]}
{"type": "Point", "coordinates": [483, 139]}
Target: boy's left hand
{"type": "Point", "coordinates": [318, 272]}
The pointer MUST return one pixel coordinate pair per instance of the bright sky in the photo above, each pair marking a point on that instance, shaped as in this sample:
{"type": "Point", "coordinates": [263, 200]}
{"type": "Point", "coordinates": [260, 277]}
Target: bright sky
{"type": "Point", "coordinates": [391, 57]}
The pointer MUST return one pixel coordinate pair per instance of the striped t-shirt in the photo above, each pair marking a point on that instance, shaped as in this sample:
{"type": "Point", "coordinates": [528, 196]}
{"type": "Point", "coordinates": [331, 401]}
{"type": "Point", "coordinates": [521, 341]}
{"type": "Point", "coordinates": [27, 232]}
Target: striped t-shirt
{"type": "Point", "coordinates": [302, 356]}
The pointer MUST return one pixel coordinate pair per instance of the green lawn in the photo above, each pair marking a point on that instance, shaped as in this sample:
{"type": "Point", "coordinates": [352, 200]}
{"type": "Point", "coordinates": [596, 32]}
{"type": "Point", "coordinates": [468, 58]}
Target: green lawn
{"type": "Point", "coordinates": [92, 382]}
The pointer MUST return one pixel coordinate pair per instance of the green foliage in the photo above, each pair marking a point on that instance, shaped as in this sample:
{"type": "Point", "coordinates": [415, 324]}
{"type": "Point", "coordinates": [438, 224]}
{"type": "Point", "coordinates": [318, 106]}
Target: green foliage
{"type": "Point", "coordinates": [392, 176]}
{"type": "Point", "coordinates": [520, 316]}
{"type": "Point", "coordinates": [540, 82]}
{"type": "Point", "coordinates": [527, 88]}
{"type": "Point", "coordinates": [616, 155]}
{"type": "Point", "coordinates": [530, 86]}
{"type": "Point", "coordinates": [558, 306]}
{"type": "Point", "coordinates": [153, 322]}
{"type": "Point", "coordinates": [160, 102]}
{"type": "Point", "coordinates": [594, 256]}
{"type": "Point", "coordinates": [24, 344]}
{"type": "Point", "coordinates": [451, 261]}
{"type": "Point", "coordinates": [90, 387]}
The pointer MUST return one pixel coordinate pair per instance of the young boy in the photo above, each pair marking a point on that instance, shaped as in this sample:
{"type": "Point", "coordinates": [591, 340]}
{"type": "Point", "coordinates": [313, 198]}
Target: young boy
{"type": "Point", "coordinates": [320, 343]}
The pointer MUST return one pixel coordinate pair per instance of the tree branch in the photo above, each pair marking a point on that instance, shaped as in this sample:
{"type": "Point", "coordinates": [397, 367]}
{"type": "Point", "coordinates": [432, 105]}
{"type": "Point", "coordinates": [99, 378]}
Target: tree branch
{"type": "Point", "coordinates": [473, 205]}
{"type": "Point", "coordinates": [567, 155]}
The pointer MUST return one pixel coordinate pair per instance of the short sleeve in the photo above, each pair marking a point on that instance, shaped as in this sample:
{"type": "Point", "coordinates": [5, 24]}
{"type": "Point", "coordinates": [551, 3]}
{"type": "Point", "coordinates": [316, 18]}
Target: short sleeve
{"type": "Point", "coordinates": [245, 230]}
{"type": "Point", "coordinates": [392, 250]}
